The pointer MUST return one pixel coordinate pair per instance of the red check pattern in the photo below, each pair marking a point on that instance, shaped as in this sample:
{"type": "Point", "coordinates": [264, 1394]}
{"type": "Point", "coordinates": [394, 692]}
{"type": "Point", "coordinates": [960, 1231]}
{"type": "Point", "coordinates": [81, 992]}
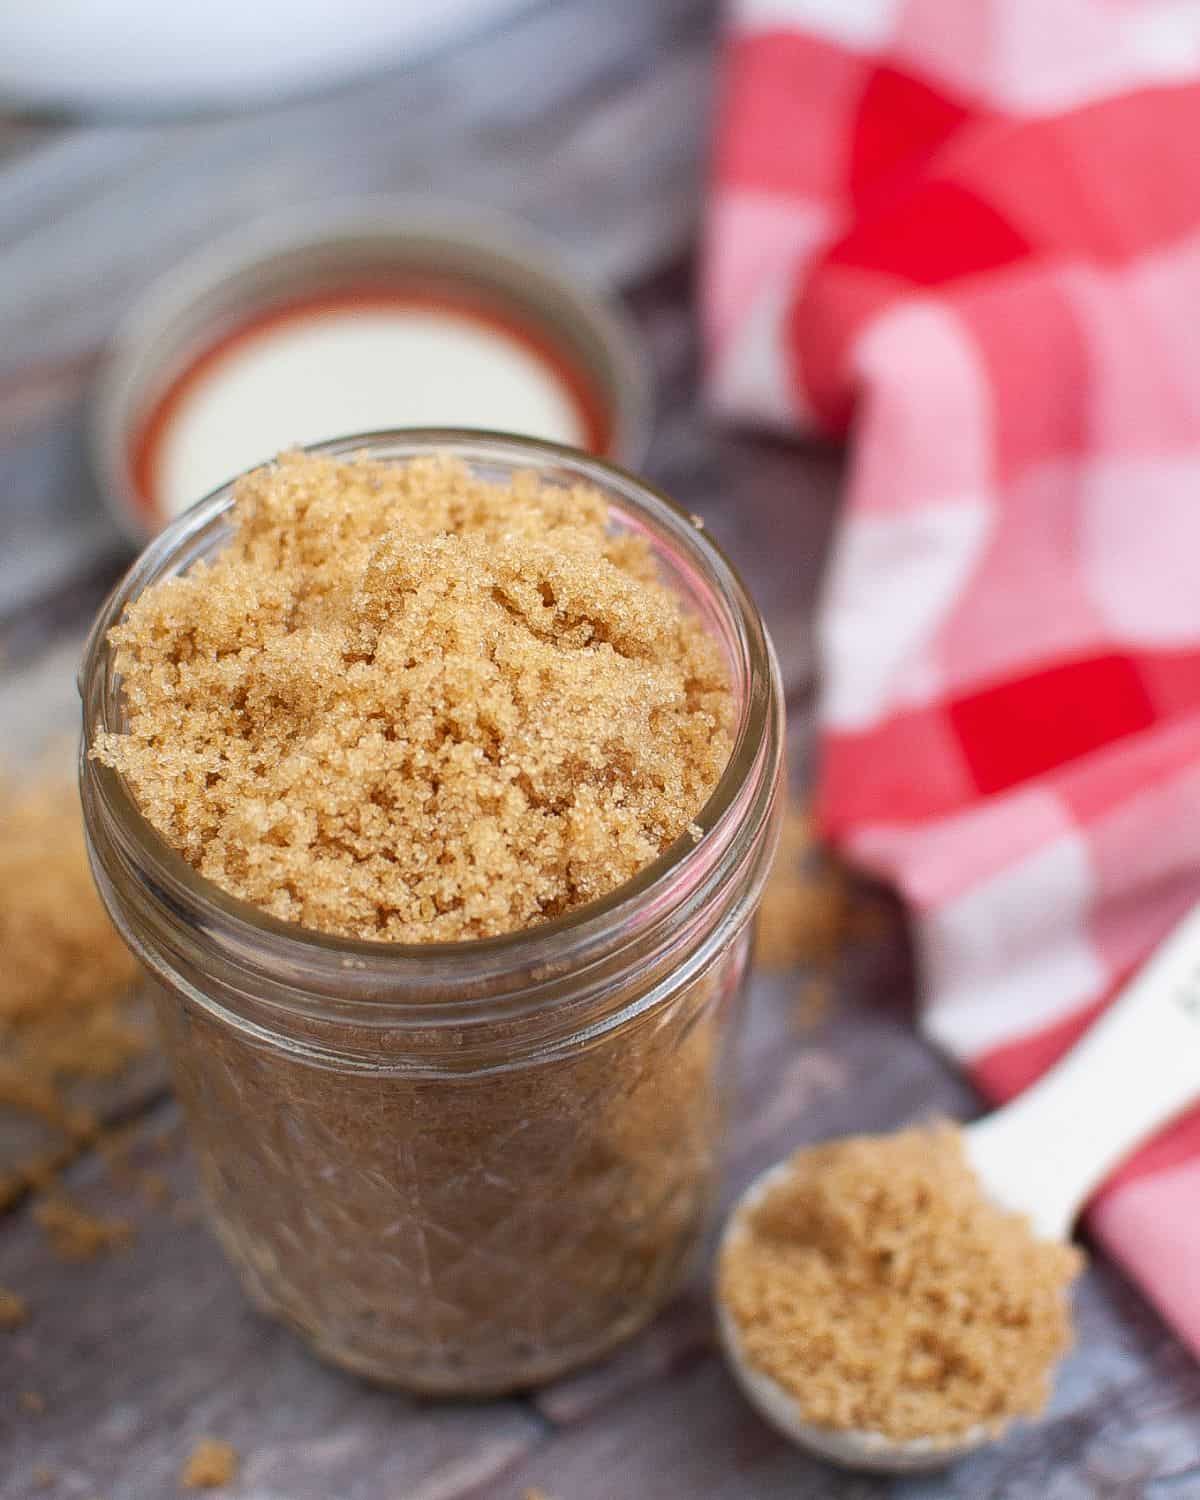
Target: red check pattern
{"type": "Point", "coordinates": [969, 237]}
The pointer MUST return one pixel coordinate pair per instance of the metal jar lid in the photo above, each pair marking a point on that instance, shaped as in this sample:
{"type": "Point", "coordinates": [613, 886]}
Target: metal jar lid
{"type": "Point", "coordinates": [200, 306]}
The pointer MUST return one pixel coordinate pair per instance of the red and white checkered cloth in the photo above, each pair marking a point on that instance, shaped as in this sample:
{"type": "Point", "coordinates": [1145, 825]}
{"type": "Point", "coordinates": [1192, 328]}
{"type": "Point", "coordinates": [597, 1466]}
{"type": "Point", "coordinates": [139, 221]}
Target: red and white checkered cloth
{"type": "Point", "coordinates": [968, 232]}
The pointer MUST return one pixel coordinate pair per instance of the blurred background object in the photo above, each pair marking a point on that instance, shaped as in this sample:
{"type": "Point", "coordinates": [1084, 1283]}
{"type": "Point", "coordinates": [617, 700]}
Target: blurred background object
{"type": "Point", "coordinates": [525, 119]}
{"type": "Point", "coordinates": [976, 268]}
{"type": "Point", "coordinates": [356, 316]}
{"type": "Point", "coordinates": [135, 57]}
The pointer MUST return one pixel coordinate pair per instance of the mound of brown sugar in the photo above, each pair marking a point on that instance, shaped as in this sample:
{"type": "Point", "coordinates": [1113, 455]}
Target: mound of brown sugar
{"type": "Point", "coordinates": [878, 1285]}
{"type": "Point", "coordinates": [67, 980]}
{"type": "Point", "coordinates": [64, 965]}
{"type": "Point", "coordinates": [405, 703]}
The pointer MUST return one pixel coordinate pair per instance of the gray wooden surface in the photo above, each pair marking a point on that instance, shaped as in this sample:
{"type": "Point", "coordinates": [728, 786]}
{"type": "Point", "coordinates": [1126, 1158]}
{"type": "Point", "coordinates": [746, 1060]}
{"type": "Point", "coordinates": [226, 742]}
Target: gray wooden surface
{"type": "Point", "coordinates": [589, 117]}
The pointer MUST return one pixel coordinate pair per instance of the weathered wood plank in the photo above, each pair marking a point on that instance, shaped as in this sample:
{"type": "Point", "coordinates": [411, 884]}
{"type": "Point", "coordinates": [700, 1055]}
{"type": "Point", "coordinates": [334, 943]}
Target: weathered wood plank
{"type": "Point", "coordinates": [139, 1354]}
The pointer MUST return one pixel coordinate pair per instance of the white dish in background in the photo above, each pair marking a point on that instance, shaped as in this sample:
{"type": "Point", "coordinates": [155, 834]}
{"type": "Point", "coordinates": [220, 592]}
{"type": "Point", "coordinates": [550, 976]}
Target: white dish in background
{"type": "Point", "coordinates": [366, 315]}
{"type": "Point", "coordinates": [353, 369]}
{"type": "Point", "coordinates": [1041, 1156]}
{"type": "Point", "coordinates": [146, 57]}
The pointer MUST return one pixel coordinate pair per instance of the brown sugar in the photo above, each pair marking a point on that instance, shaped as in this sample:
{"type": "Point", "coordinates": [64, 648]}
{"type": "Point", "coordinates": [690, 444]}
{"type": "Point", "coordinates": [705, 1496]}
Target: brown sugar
{"type": "Point", "coordinates": [75, 1234]}
{"type": "Point", "coordinates": [211, 1464]}
{"type": "Point", "coordinates": [62, 959]}
{"type": "Point", "coordinates": [13, 1309]}
{"type": "Point", "coordinates": [407, 703]}
{"type": "Point", "coordinates": [878, 1285]}
{"type": "Point", "coordinates": [117, 1147]}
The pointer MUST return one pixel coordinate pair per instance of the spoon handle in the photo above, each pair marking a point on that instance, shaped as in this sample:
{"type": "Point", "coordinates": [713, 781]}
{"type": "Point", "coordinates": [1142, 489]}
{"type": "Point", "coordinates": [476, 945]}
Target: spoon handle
{"type": "Point", "coordinates": [1133, 1070]}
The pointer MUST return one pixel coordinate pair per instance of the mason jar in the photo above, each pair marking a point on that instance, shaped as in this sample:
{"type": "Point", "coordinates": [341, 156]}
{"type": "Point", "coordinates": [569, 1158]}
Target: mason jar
{"type": "Point", "coordinates": [461, 1168]}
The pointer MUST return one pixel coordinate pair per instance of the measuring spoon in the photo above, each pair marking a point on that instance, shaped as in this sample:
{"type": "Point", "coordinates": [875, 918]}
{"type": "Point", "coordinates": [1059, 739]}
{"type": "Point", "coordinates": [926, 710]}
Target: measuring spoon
{"type": "Point", "coordinates": [1043, 1155]}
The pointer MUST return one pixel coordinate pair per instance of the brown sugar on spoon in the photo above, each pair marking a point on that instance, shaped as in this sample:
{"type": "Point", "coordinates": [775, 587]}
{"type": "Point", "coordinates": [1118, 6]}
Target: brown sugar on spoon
{"type": "Point", "coordinates": [877, 1285]}
{"type": "Point", "coordinates": [410, 704]}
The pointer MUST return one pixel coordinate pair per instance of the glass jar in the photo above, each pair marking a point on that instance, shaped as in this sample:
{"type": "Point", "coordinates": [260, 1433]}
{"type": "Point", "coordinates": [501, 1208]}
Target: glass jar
{"type": "Point", "coordinates": [459, 1167]}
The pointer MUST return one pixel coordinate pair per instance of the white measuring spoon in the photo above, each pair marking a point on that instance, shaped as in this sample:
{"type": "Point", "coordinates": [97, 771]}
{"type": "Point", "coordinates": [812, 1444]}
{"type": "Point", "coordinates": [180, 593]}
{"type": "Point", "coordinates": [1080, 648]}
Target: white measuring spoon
{"type": "Point", "coordinates": [1042, 1156]}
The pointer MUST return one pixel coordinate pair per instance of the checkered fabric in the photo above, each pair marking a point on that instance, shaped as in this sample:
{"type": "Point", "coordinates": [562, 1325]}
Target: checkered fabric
{"type": "Point", "coordinates": [967, 232]}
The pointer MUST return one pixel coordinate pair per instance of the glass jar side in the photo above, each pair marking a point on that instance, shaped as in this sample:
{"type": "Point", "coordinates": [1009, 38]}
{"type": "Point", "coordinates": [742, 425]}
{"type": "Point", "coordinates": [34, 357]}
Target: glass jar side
{"type": "Point", "coordinates": [468, 1167]}
{"type": "Point", "coordinates": [472, 1237]}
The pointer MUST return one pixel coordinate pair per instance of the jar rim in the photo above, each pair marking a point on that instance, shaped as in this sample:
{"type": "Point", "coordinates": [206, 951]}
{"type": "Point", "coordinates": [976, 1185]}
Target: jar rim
{"type": "Point", "coordinates": [755, 755]}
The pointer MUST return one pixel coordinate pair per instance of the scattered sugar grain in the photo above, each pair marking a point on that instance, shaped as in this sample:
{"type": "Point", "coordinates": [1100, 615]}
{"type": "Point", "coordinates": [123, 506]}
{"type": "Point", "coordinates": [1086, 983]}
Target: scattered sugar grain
{"type": "Point", "coordinates": [212, 1464]}
{"type": "Point", "coordinates": [34, 1174]}
{"type": "Point", "coordinates": [77, 1235]}
{"type": "Point", "coordinates": [409, 705]}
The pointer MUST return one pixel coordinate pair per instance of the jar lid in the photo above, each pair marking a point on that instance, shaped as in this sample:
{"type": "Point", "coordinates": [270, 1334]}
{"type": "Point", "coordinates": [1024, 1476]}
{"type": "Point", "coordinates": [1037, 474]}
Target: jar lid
{"type": "Point", "coordinates": [379, 315]}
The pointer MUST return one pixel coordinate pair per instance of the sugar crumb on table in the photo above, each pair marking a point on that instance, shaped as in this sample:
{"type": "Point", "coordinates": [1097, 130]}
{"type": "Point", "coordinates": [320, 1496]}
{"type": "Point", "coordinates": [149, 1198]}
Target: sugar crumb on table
{"type": "Point", "coordinates": [211, 1464]}
{"type": "Point", "coordinates": [14, 1310]}
{"type": "Point", "coordinates": [74, 1233]}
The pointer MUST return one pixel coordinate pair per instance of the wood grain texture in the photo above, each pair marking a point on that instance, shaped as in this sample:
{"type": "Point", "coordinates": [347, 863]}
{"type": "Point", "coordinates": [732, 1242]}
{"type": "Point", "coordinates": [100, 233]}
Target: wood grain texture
{"type": "Point", "coordinates": [588, 117]}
